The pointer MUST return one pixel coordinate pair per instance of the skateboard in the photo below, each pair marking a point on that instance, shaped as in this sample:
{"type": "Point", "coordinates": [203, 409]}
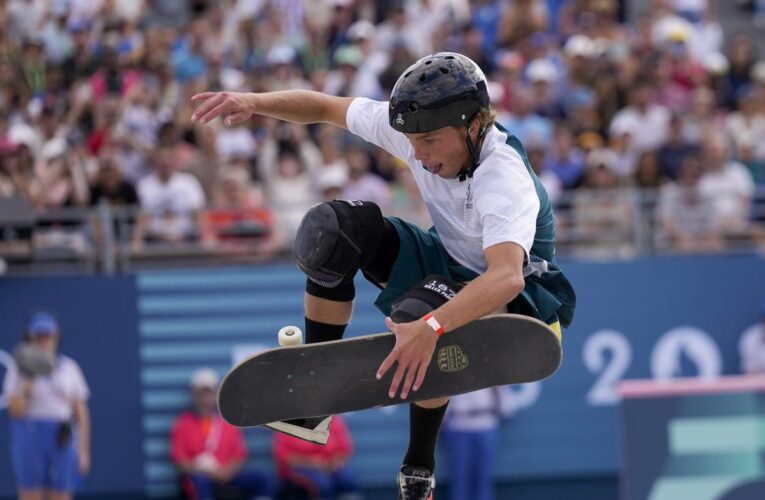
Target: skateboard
{"type": "Point", "coordinates": [327, 378]}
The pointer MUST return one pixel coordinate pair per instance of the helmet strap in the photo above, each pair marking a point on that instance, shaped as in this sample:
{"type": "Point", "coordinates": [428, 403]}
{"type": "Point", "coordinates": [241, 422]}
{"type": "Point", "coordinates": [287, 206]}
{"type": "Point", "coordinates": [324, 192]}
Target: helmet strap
{"type": "Point", "coordinates": [474, 150]}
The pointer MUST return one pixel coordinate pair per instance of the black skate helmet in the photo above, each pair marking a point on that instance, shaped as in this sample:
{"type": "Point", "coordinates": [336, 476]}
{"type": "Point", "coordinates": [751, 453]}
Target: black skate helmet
{"type": "Point", "coordinates": [440, 90]}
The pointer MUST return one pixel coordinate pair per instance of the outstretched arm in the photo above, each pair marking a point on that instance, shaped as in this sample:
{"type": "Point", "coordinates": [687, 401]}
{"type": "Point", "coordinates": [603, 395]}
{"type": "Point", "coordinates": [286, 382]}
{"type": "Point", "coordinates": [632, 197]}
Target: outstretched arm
{"type": "Point", "coordinates": [298, 106]}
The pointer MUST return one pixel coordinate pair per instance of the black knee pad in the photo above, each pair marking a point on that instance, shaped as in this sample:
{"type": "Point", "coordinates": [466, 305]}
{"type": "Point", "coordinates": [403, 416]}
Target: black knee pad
{"type": "Point", "coordinates": [337, 238]}
{"type": "Point", "coordinates": [427, 295]}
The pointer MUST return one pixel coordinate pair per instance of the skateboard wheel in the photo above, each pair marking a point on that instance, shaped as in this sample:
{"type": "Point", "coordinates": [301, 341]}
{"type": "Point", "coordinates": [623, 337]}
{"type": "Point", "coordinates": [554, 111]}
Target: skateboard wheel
{"type": "Point", "coordinates": [290, 335]}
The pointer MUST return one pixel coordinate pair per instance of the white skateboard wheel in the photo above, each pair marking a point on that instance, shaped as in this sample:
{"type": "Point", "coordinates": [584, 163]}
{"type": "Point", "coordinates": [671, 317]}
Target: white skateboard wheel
{"type": "Point", "coordinates": [290, 335]}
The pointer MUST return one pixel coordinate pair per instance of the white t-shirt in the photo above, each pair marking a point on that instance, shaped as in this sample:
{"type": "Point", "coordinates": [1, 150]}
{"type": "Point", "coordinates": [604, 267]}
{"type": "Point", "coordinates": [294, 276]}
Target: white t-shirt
{"type": "Point", "coordinates": [648, 130]}
{"type": "Point", "coordinates": [729, 191]}
{"type": "Point", "coordinates": [171, 205]}
{"type": "Point", "coordinates": [53, 397]}
{"type": "Point", "coordinates": [499, 204]}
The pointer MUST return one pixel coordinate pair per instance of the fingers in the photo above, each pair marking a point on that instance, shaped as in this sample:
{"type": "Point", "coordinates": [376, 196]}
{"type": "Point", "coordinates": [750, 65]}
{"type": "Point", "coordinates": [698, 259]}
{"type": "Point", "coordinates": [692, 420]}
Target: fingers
{"type": "Point", "coordinates": [411, 371]}
{"type": "Point", "coordinates": [205, 112]}
{"type": "Point", "coordinates": [236, 118]}
{"type": "Point", "coordinates": [386, 364]}
{"type": "Point", "coordinates": [400, 371]}
{"type": "Point", "coordinates": [202, 96]}
{"type": "Point", "coordinates": [420, 375]}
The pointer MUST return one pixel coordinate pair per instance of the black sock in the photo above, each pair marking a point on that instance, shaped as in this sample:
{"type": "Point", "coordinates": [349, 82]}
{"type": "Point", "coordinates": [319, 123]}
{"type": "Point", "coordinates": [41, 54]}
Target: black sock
{"type": "Point", "coordinates": [316, 331]}
{"type": "Point", "coordinates": [424, 426]}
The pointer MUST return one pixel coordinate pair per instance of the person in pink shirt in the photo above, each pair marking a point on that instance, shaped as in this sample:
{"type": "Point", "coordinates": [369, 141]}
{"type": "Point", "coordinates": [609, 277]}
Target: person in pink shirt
{"type": "Point", "coordinates": [208, 452]}
{"type": "Point", "coordinates": [321, 470]}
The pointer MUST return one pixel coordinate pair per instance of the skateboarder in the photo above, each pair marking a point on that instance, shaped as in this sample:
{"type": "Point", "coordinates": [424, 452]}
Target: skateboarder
{"type": "Point", "coordinates": [493, 230]}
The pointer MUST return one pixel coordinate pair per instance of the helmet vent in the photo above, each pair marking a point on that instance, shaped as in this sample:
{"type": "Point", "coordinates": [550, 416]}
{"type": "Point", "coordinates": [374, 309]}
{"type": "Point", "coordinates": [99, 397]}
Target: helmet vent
{"type": "Point", "coordinates": [413, 107]}
{"type": "Point", "coordinates": [428, 62]}
{"type": "Point", "coordinates": [422, 77]}
{"type": "Point", "coordinates": [407, 75]}
{"type": "Point", "coordinates": [449, 57]}
{"type": "Point", "coordinates": [444, 70]}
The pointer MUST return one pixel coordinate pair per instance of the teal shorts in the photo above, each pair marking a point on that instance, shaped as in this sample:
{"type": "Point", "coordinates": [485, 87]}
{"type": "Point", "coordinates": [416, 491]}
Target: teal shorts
{"type": "Point", "coordinates": [549, 297]}
{"type": "Point", "coordinates": [420, 254]}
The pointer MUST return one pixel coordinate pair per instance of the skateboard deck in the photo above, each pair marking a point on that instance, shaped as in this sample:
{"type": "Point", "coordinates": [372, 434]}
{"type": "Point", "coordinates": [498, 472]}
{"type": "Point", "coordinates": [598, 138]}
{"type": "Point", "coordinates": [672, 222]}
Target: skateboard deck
{"type": "Point", "coordinates": [339, 376]}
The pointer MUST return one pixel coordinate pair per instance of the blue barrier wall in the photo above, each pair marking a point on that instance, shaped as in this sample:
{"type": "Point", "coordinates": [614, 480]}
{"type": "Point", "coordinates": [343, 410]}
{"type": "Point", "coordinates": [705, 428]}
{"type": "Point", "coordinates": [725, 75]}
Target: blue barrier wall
{"type": "Point", "coordinates": [139, 338]}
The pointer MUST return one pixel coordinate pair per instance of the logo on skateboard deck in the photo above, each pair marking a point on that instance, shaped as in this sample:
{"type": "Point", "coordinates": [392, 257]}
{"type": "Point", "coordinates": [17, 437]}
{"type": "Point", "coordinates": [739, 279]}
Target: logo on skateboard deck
{"type": "Point", "coordinates": [452, 359]}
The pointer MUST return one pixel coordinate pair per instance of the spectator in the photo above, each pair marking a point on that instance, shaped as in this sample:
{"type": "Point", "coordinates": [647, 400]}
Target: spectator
{"type": "Point", "coordinates": [208, 452]}
{"type": "Point", "coordinates": [330, 147]}
{"type": "Point", "coordinates": [62, 176]}
{"type": "Point", "coordinates": [288, 162]}
{"type": "Point", "coordinates": [520, 20]}
{"type": "Point", "coordinates": [523, 122]}
{"type": "Point", "coordinates": [351, 77]}
{"type": "Point", "coordinates": [406, 200]}
{"type": "Point", "coordinates": [536, 153]}
{"type": "Point", "coordinates": [81, 63]}
{"type": "Point", "coordinates": [729, 188]}
{"type": "Point", "coordinates": [646, 123]}
{"type": "Point", "coordinates": [602, 216]}
{"type": "Point", "coordinates": [470, 440]}
{"type": "Point", "coordinates": [742, 56]}
{"type": "Point", "coordinates": [565, 160]}
{"type": "Point", "coordinates": [648, 175]}
{"type": "Point", "coordinates": [205, 162]}
{"type": "Point", "coordinates": [112, 189]}
{"type": "Point", "coordinates": [748, 122]}
{"type": "Point", "coordinates": [322, 471]}
{"type": "Point", "coordinates": [685, 215]}
{"type": "Point", "coordinates": [236, 216]}
{"type": "Point", "coordinates": [172, 204]}
{"type": "Point", "coordinates": [626, 158]}
{"type": "Point", "coordinates": [674, 151]}
{"type": "Point", "coordinates": [363, 184]}
{"type": "Point", "coordinates": [703, 117]}
{"type": "Point", "coordinates": [745, 154]}
{"type": "Point", "coordinates": [399, 28]}
{"type": "Point", "coordinates": [7, 164]}
{"type": "Point", "coordinates": [50, 422]}
{"type": "Point", "coordinates": [543, 75]}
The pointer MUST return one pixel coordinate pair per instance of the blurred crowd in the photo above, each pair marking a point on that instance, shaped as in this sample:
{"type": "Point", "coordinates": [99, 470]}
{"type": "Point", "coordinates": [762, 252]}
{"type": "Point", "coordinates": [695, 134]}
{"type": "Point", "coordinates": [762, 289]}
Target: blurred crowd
{"type": "Point", "coordinates": [95, 107]}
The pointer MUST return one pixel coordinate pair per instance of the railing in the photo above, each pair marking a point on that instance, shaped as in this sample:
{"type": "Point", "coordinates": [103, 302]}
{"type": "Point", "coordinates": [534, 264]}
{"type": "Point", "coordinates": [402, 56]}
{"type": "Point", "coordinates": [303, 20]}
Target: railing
{"type": "Point", "coordinates": [619, 223]}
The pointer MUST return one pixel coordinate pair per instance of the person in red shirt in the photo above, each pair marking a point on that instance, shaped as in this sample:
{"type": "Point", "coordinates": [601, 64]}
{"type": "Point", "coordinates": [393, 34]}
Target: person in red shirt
{"type": "Point", "coordinates": [208, 452]}
{"type": "Point", "coordinates": [322, 471]}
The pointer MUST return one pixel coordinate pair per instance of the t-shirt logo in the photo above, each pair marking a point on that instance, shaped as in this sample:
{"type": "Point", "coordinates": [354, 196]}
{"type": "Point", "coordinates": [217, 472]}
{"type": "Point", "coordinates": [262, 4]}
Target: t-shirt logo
{"type": "Point", "coordinates": [469, 198]}
{"type": "Point", "coordinates": [400, 119]}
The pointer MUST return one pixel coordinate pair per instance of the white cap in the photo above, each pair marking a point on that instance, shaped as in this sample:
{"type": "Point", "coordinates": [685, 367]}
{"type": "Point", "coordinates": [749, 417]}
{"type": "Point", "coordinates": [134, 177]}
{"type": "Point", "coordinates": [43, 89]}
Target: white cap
{"type": "Point", "coordinates": [232, 79]}
{"type": "Point", "coordinates": [580, 45]}
{"type": "Point", "coordinates": [281, 54]}
{"type": "Point", "coordinates": [758, 72]}
{"type": "Point", "coordinates": [542, 70]}
{"type": "Point", "coordinates": [332, 178]}
{"type": "Point", "coordinates": [21, 133]}
{"type": "Point", "coordinates": [362, 29]}
{"type": "Point", "coordinates": [716, 63]}
{"type": "Point", "coordinates": [204, 378]}
{"type": "Point", "coordinates": [53, 149]}
{"type": "Point", "coordinates": [602, 156]}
